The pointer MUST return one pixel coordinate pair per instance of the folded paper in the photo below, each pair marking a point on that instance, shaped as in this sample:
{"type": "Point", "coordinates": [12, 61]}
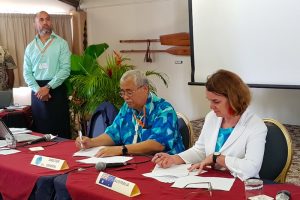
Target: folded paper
{"type": "Point", "coordinates": [50, 163]}
{"type": "Point", "coordinates": [117, 184]}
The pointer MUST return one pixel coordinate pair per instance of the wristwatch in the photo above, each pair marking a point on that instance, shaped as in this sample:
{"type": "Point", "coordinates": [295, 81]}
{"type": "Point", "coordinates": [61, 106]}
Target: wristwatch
{"type": "Point", "coordinates": [48, 86]}
{"type": "Point", "coordinates": [124, 150]}
{"type": "Point", "coordinates": [215, 156]}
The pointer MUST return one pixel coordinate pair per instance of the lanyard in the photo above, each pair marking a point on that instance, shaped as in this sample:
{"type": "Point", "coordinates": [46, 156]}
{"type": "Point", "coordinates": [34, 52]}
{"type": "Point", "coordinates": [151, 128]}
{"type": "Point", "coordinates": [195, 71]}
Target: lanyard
{"type": "Point", "coordinates": [45, 48]}
{"type": "Point", "coordinates": [139, 122]}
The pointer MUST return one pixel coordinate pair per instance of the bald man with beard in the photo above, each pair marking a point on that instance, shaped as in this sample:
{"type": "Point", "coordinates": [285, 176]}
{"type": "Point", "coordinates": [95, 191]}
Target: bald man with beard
{"type": "Point", "coordinates": [46, 67]}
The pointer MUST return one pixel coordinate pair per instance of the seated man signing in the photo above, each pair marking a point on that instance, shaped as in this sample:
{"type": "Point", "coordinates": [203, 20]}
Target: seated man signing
{"type": "Point", "coordinates": [145, 124]}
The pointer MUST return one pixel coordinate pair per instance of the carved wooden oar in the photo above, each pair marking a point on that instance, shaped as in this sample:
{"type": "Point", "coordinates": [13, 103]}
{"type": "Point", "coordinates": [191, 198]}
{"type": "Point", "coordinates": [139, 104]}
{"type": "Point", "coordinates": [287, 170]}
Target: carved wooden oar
{"type": "Point", "coordinates": [176, 39]}
{"type": "Point", "coordinates": [180, 50]}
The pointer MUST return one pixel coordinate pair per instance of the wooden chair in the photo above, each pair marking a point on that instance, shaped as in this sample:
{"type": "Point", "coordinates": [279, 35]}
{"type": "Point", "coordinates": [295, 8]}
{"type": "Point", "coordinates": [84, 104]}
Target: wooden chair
{"type": "Point", "coordinates": [185, 129]}
{"type": "Point", "coordinates": [278, 152]}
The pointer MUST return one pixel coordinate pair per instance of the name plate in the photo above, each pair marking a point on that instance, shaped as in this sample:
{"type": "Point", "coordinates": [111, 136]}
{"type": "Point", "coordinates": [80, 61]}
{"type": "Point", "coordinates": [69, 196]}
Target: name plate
{"type": "Point", "coordinates": [50, 163]}
{"type": "Point", "coordinates": [117, 184]}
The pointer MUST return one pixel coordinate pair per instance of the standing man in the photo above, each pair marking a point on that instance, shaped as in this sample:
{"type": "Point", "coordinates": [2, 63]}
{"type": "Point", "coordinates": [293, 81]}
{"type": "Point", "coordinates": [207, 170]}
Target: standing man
{"type": "Point", "coordinates": [7, 66]}
{"type": "Point", "coordinates": [46, 67]}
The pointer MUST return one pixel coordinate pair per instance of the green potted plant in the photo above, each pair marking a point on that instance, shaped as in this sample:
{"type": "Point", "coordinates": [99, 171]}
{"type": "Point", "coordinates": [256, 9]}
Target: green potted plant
{"type": "Point", "coordinates": [90, 83]}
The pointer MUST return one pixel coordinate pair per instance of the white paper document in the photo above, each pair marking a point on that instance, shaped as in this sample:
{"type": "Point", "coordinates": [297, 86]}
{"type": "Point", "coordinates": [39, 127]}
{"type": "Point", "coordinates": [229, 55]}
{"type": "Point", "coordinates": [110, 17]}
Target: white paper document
{"type": "Point", "coordinates": [175, 170]}
{"type": "Point", "coordinates": [171, 174]}
{"type": "Point", "coordinates": [88, 152]}
{"type": "Point", "coordinates": [7, 151]}
{"type": "Point", "coordinates": [16, 131]}
{"type": "Point", "coordinates": [216, 182]}
{"type": "Point", "coordinates": [113, 159]}
{"type": "Point", "coordinates": [16, 107]}
{"type": "Point", "coordinates": [3, 143]}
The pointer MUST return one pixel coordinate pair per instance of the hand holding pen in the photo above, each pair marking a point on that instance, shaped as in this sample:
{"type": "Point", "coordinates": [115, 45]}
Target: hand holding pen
{"type": "Point", "coordinates": [82, 142]}
{"type": "Point", "coordinates": [80, 138]}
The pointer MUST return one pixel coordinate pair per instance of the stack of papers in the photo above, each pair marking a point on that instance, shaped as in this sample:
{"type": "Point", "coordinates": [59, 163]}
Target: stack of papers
{"type": "Point", "coordinates": [93, 160]}
{"type": "Point", "coordinates": [112, 159]}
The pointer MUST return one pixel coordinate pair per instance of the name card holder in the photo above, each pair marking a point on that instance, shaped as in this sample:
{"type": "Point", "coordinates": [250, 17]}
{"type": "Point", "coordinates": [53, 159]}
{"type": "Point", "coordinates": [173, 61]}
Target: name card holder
{"type": "Point", "coordinates": [117, 184]}
{"type": "Point", "coordinates": [50, 163]}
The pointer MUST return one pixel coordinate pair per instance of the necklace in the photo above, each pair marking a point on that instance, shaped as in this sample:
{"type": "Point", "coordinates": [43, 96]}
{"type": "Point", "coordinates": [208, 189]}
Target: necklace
{"type": "Point", "coordinates": [138, 123]}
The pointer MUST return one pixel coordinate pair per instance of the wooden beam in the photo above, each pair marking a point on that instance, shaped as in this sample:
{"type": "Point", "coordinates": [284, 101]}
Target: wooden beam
{"type": "Point", "coordinates": [74, 3]}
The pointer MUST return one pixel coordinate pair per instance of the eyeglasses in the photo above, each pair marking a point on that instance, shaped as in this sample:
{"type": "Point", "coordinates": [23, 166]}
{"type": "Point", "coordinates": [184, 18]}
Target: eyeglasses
{"type": "Point", "coordinates": [191, 195]}
{"type": "Point", "coordinates": [129, 93]}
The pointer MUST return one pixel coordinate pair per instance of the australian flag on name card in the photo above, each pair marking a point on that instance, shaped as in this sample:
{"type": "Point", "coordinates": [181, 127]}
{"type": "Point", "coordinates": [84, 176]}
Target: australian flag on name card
{"type": "Point", "coordinates": [107, 180]}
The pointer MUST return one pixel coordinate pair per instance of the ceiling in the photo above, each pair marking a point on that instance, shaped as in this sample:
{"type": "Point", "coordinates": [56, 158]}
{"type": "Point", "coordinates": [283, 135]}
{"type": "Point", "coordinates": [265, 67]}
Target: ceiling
{"type": "Point", "coordinates": [34, 6]}
{"type": "Point", "coordinates": [74, 3]}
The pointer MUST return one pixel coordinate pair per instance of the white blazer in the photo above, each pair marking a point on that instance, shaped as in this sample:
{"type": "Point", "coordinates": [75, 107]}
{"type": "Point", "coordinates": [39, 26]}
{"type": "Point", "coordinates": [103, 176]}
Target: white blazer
{"type": "Point", "coordinates": [243, 150]}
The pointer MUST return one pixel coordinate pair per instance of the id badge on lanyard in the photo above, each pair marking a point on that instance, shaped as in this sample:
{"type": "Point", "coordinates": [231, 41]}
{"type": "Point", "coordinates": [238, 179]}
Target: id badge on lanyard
{"type": "Point", "coordinates": [43, 66]}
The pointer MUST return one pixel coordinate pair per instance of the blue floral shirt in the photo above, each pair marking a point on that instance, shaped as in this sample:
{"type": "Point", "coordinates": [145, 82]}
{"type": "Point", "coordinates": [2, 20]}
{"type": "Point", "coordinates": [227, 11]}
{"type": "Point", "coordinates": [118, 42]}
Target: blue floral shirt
{"type": "Point", "coordinates": [160, 125]}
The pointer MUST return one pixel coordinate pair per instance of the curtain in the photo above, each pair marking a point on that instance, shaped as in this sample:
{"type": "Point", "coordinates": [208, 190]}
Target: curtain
{"type": "Point", "coordinates": [17, 30]}
{"type": "Point", "coordinates": [79, 31]}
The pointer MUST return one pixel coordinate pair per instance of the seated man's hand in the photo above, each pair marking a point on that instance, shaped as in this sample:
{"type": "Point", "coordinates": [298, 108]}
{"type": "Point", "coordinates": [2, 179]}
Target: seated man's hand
{"type": "Point", "coordinates": [109, 151]}
{"type": "Point", "coordinates": [164, 160]}
{"type": "Point", "coordinates": [85, 143]}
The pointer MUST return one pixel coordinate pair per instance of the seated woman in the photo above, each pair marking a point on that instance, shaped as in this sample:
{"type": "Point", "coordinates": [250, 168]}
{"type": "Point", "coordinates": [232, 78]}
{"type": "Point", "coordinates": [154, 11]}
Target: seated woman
{"type": "Point", "coordinates": [232, 137]}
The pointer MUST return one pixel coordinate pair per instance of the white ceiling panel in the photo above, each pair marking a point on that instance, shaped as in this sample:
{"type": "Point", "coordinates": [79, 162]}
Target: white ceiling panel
{"type": "Point", "coordinates": [34, 6]}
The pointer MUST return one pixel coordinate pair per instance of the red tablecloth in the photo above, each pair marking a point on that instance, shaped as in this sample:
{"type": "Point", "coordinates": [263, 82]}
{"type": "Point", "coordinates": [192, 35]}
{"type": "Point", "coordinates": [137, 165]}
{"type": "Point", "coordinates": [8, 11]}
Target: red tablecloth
{"type": "Point", "coordinates": [18, 176]}
{"type": "Point", "coordinates": [18, 118]}
{"type": "Point", "coordinates": [81, 185]}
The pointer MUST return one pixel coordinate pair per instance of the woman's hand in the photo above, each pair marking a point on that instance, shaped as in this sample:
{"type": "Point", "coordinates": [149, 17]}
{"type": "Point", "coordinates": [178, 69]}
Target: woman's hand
{"type": "Point", "coordinates": [164, 160]}
{"type": "Point", "coordinates": [199, 166]}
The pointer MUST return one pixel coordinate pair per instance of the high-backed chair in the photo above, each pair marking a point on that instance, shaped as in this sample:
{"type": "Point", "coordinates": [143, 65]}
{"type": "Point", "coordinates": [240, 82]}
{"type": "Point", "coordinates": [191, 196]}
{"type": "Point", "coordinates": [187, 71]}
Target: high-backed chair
{"type": "Point", "coordinates": [278, 152]}
{"type": "Point", "coordinates": [185, 129]}
{"type": "Point", "coordinates": [102, 118]}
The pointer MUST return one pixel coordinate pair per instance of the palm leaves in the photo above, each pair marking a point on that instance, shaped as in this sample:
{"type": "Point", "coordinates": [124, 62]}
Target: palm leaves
{"type": "Point", "coordinates": [90, 84]}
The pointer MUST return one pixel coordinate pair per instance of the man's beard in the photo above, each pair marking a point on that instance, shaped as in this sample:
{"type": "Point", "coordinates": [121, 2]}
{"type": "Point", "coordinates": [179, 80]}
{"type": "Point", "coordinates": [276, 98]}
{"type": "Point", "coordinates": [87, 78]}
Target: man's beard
{"type": "Point", "coordinates": [45, 31]}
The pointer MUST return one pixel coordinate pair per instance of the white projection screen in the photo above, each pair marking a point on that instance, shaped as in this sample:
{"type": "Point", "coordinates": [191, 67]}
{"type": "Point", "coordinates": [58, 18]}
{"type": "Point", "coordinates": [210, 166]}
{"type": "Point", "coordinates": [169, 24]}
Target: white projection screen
{"type": "Point", "coordinates": [257, 39]}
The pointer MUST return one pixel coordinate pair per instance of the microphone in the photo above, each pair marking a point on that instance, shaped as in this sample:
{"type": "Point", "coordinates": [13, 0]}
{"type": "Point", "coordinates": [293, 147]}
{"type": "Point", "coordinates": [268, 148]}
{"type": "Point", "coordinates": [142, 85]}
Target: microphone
{"type": "Point", "coordinates": [102, 165]}
{"type": "Point", "coordinates": [45, 138]}
{"type": "Point", "coordinates": [283, 195]}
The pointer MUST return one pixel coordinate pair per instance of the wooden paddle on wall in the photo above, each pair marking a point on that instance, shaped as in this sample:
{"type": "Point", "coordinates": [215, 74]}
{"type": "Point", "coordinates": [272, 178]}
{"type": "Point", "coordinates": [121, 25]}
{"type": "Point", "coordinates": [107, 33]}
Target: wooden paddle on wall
{"type": "Point", "coordinates": [175, 39]}
{"type": "Point", "coordinates": [180, 50]}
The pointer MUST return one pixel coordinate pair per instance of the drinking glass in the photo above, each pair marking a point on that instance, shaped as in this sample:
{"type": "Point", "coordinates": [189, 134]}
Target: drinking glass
{"type": "Point", "coordinates": [253, 187]}
{"type": "Point", "coordinates": [11, 142]}
{"type": "Point", "coordinates": [207, 189]}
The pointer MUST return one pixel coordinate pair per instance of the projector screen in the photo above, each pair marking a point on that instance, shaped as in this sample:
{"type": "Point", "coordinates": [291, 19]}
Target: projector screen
{"type": "Point", "coordinates": [257, 39]}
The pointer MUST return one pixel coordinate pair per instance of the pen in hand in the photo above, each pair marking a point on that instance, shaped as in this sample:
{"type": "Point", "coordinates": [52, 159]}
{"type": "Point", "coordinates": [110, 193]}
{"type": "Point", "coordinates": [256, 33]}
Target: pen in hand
{"type": "Point", "coordinates": [80, 137]}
